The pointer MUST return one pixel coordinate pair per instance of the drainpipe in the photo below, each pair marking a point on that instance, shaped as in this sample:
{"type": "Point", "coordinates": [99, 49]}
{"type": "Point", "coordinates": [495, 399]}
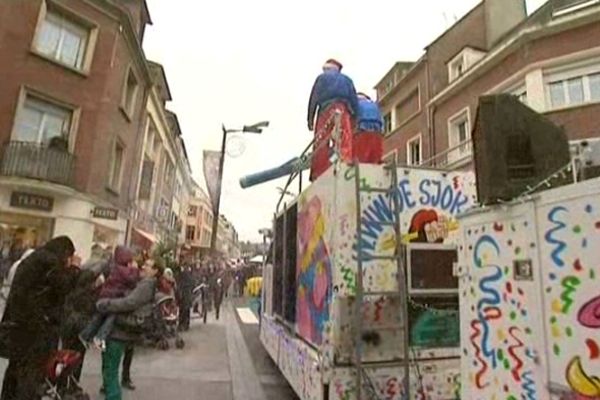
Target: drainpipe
{"type": "Point", "coordinates": [430, 112]}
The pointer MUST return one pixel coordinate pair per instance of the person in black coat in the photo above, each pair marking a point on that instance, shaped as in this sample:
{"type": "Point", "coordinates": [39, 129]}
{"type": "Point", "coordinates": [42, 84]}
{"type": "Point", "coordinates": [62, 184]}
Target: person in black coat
{"type": "Point", "coordinates": [32, 317]}
{"type": "Point", "coordinates": [185, 286]}
{"type": "Point", "coordinates": [80, 306]}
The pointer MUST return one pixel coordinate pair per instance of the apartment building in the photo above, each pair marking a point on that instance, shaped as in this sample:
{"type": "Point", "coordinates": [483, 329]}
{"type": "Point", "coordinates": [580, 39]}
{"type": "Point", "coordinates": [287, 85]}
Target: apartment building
{"type": "Point", "coordinates": [549, 59]}
{"type": "Point", "coordinates": [74, 87]}
{"type": "Point", "coordinates": [198, 224]}
{"type": "Point", "coordinates": [163, 172]}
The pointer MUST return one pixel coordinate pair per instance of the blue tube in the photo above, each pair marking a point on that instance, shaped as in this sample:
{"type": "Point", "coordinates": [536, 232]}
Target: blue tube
{"type": "Point", "coordinates": [293, 165]}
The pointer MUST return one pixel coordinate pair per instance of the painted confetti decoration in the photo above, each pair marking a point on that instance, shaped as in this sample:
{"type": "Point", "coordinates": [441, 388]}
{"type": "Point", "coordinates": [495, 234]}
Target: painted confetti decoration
{"type": "Point", "coordinates": [559, 245]}
{"type": "Point", "coordinates": [569, 285]}
{"type": "Point", "coordinates": [483, 364]}
{"type": "Point", "coordinates": [593, 348]}
{"type": "Point", "coordinates": [511, 350]}
{"type": "Point", "coordinates": [529, 386]}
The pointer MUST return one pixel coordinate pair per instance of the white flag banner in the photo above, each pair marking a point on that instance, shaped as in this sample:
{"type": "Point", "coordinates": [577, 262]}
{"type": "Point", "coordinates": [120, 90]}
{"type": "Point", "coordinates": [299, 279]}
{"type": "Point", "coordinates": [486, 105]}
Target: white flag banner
{"type": "Point", "coordinates": [211, 174]}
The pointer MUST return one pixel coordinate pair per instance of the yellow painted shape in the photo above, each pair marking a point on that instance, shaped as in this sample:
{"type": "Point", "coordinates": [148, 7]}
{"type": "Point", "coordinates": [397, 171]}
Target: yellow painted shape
{"type": "Point", "coordinates": [557, 306]}
{"type": "Point", "coordinates": [580, 381]}
{"type": "Point", "coordinates": [501, 335]}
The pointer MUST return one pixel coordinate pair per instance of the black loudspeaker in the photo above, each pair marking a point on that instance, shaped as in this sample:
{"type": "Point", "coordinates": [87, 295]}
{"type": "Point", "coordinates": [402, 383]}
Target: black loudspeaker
{"type": "Point", "coordinates": [514, 148]}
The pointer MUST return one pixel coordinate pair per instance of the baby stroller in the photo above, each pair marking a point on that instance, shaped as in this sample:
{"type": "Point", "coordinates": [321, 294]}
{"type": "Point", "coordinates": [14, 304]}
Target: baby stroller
{"type": "Point", "coordinates": [60, 384]}
{"type": "Point", "coordinates": [165, 318]}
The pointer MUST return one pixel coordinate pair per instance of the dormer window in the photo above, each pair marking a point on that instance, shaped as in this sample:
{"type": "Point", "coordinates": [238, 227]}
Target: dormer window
{"type": "Point", "coordinates": [464, 60]}
{"type": "Point", "coordinates": [457, 69]}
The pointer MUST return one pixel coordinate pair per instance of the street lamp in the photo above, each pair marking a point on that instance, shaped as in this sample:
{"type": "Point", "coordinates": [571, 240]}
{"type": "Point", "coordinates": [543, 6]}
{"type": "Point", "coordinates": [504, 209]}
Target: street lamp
{"type": "Point", "coordinates": [254, 128]}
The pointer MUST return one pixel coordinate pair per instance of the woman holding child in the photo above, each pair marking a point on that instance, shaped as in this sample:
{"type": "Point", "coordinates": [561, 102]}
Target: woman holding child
{"type": "Point", "coordinates": [121, 333]}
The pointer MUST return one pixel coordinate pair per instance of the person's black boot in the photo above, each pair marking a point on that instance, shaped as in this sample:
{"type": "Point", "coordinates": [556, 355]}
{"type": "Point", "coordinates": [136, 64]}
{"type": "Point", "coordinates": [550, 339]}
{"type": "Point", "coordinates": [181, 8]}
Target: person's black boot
{"type": "Point", "coordinates": [127, 384]}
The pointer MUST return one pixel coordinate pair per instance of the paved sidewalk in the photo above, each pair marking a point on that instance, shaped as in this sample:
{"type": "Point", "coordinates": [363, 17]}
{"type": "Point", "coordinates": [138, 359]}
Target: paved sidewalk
{"type": "Point", "coordinates": [215, 364]}
{"type": "Point", "coordinates": [274, 384]}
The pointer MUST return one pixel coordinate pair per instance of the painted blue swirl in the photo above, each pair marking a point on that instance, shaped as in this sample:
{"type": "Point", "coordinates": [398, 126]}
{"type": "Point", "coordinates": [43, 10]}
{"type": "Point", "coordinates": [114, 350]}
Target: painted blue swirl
{"type": "Point", "coordinates": [550, 236]}
{"type": "Point", "coordinates": [490, 295]}
{"type": "Point", "coordinates": [528, 386]}
{"type": "Point", "coordinates": [491, 299]}
{"type": "Point", "coordinates": [485, 239]}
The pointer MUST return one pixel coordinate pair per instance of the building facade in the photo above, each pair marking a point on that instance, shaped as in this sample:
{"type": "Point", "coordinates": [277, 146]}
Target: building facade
{"type": "Point", "coordinates": [163, 172]}
{"type": "Point", "coordinates": [74, 87]}
{"type": "Point", "coordinates": [227, 239]}
{"type": "Point", "coordinates": [89, 149]}
{"type": "Point", "coordinates": [198, 224]}
{"type": "Point", "coordinates": [550, 60]}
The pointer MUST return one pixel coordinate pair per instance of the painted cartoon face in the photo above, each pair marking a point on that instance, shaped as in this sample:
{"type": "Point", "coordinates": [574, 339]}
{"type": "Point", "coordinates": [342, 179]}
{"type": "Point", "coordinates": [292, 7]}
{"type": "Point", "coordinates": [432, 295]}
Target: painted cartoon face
{"type": "Point", "coordinates": [428, 226]}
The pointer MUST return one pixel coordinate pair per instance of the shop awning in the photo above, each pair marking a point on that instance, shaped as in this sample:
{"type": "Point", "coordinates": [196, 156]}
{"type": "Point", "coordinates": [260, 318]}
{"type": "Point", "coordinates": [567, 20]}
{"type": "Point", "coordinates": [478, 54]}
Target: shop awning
{"type": "Point", "coordinates": [146, 235]}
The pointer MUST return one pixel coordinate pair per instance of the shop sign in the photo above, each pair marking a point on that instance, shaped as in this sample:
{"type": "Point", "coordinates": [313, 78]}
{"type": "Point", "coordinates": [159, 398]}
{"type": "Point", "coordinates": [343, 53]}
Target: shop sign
{"type": "Point", "coordinates": [106, 213]}
{"type": "Point", "coordinates": [31, 201]}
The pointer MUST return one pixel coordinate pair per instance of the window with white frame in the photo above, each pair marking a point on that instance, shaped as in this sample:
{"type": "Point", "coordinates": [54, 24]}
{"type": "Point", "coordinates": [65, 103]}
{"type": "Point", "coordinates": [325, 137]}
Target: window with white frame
{"type": "Point", "coordinates": [169, 174]}
{"type": "Point", "coordinates": [574, 90]}
{"type": "Point", "coordinates": [387, 123]}
{"type": "Point", "coordinates": [130, 92]}
{"type": "Point", "coordinates": [190, 232]}
{"type": "Point", "coordinates": [40, 121]}
{"type": "Point", "coordinates": [151, 137]}
{"type": "Point", "coordinates": [459, 136]}
{"type": "Point", "coordinates": [413, 151]}
{"type": "Point", "coordinates": [63, 40]}
{"type": "Point", "coordinates": [116, 166]}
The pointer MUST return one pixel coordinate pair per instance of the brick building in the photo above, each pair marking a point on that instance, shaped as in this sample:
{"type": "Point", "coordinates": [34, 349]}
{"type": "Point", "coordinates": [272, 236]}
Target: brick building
{"type": "Point", "coordinates": [549, 59]}
{"type": "Point", "coordinates": [74, 84]}
{"type": "Point", "coordinates": [163, 174]}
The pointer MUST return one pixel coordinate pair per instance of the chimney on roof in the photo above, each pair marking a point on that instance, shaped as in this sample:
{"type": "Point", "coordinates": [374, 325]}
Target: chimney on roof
{"type": "Point", "coordinates": [501, 16]}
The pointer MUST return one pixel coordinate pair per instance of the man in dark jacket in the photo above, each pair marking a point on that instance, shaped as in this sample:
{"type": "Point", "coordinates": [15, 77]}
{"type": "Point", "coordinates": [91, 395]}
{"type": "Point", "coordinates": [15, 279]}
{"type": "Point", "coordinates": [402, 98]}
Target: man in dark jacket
{"type": "Point", "coordinates": [185, 287]}
{"type": "Point", "coordinates": [141, 297]}
{"type": "Point", "coordinates": [33, 315]}
{"type": "Point", "coordinates": [80, 306]}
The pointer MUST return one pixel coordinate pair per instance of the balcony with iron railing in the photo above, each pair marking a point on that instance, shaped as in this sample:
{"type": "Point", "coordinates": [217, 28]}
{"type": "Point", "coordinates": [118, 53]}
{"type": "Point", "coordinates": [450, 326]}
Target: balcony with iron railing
{"type": "Point", "coordinates": [452, 158]}
{"type": "Point", "coordinates": [37, 161]}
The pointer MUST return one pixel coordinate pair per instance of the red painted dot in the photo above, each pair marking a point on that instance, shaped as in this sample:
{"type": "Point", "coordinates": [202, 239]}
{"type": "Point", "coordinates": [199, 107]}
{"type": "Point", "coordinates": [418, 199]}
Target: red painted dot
{"type": "Point", "coordinates": [577, 265]}
{"type": "Point", "coordinates": [506, 388]}
{"type": "Point", "coordinates": [509, 287]}
{"type": "Point", "coordinates": [521, 293]}
{"type": "Point", "coordinates": [598, 225]}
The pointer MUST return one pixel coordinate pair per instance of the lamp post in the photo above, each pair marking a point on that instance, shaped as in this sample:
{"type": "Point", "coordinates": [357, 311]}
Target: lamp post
{"type": "Point", "coordinates": [255, 128]}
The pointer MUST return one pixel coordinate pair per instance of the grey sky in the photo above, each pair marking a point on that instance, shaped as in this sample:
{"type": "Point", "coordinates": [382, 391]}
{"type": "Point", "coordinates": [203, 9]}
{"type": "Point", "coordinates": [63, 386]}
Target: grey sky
{"type": "Point", "coordinates": [238, 62]}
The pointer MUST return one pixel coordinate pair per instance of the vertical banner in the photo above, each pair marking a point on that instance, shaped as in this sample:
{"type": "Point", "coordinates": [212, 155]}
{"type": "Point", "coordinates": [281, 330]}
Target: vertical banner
{"type": "Point", "coordinates": [211, 161]}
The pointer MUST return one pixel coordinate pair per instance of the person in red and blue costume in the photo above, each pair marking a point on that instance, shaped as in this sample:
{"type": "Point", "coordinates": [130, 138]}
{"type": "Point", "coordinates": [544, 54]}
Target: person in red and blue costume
{"type": "Point", "coordinates": [333, 93]}
{"type": "Point", "coordinates": [367, 144]}
{"type": "Point", "coordinates": [329, 87]}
